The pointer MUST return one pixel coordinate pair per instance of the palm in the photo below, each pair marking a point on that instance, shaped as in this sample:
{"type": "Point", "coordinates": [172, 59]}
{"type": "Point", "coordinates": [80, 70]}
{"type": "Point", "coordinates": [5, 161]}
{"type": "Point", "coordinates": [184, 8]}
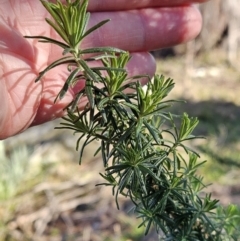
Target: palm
{"type": "Point", "coordinates": [25, 103]}
{"type": "Point", "coordinates": [21, 60]}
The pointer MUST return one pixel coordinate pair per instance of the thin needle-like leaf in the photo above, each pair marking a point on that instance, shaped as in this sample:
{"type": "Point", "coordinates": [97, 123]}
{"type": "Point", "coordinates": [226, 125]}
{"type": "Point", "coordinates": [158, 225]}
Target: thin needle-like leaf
{"type": "Point", "coordinates": [67, 84]}
{"type": "Point", "coordinates": [98, 25]}
{"type": "Point", "coordinates": [64, 60]}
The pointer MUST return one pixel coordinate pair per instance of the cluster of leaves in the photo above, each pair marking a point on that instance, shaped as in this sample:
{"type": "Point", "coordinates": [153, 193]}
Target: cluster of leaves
{"type": "Point", "coordinates": [143, 150]}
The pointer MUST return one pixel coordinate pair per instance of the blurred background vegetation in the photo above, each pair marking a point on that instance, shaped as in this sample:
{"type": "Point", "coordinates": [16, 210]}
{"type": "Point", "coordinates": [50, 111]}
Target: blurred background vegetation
{"type": "Point", "coordinates": [45, 195]}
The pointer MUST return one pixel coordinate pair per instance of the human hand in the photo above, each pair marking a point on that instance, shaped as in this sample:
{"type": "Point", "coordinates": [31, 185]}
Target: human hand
{"type": "Point", "coordinates": [138, 27]}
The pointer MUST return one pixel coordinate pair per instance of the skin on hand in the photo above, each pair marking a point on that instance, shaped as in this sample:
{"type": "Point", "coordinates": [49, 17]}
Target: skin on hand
{"type": "Point", "coordinates": [145, 25]}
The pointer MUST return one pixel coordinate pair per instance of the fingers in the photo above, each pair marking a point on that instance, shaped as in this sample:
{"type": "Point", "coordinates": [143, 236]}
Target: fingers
{"type": "Point", "coordinates": [141, 63]}
{"type": "Point", "coordinates": [19, 95]}
{"type": "Point", "coordinates": [146, 29]}
{"type": "Point", "coordinates": [116, 5]}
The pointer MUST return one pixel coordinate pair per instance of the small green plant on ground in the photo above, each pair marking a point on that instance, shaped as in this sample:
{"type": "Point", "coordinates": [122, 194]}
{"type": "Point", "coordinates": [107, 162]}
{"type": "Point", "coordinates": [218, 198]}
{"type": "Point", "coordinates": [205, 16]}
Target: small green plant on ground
{"type": "Point", "coordinates": [142, 157]}
{"type": "Point", "coordinates": [12, 170]}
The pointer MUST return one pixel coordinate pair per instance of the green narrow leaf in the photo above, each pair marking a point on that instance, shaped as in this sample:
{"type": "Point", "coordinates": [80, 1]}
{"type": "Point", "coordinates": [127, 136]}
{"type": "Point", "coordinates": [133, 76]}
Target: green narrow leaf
{"type": "Point", "coordinates": [88, 70]}
{"type": "Point", "coordinates": [103, 50]}
{"type": "Point", "coordinates": [98, 25]}
{"type": "Point", "coordinates": [139, 127]}
{"type": "Point", "coordinates": [153, 131]}
{"type": "Point", "coordinates": [131, 106]}
{"type": "Point", "coordinates": [65, 24]}
{"type": "Point", "coordinates": [52, 9]}
{"type": "Point", "coordinates": [61, 33]}
{"type": "Point", "coordinates": [82, 10]}
{"type": "Point", "coordinates": [64, 60]}
{"type": "Point", "coordinates": [104, 157]}
{"type": "Point", "coordinates": [80, 31]}
{"type": "Point", "coordinates": [89, 93]}
{"type": "Point", "coordinates": [76, 100]}
{"type": "Point", "coordinates": [108, 69]}
{"type": "Point", "coordinates": [125, 179]}
{"type": "Point", "coordinates": [82, 149]}
{"type": "Point", "coordinates": [67, 84]}
{"type": "Point", "coordinates": [43, 39]}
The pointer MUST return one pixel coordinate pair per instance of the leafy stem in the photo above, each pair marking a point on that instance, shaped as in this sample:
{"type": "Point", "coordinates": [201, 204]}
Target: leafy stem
{"type": "Point", "coordinates": [143, 150]}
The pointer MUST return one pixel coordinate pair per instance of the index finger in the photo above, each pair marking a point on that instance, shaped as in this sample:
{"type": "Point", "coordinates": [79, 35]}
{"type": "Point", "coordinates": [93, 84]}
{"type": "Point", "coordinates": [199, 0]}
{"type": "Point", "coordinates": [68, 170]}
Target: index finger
{"type": "Point", "coordinates": [117, 5]}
